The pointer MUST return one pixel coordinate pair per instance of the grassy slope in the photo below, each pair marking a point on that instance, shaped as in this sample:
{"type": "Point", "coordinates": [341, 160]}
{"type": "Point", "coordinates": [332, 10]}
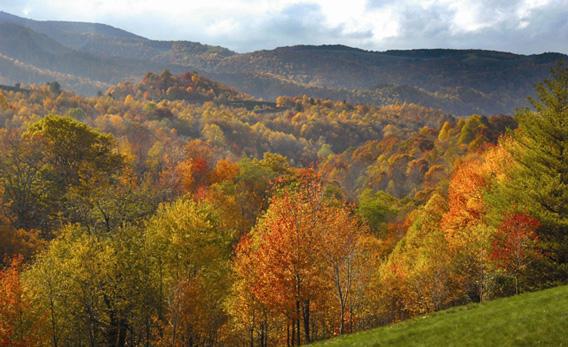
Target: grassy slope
{"type": "Point", "coordinates": [532, 319]}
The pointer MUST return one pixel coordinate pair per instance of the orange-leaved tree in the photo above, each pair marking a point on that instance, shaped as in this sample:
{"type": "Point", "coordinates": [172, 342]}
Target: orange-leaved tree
{"type": "Point", "coordinates": [16, 327]}
{"type": "Point", "coordinates": [306, 267]}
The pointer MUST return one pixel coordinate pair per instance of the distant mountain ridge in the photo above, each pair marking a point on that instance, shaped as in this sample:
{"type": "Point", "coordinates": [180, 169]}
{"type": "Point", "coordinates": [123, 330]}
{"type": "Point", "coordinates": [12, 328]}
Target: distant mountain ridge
{"type": "Point", "coordinates": [59, 28]}
{"type": "Point", "coordinates": [90, 57]}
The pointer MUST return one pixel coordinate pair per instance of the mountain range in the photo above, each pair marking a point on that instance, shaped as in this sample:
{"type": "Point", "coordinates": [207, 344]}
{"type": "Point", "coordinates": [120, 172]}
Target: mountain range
{"type": "Point", "coordinates": [89, 58]}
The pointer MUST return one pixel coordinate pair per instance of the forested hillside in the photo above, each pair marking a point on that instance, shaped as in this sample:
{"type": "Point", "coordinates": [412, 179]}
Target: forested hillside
{"type": "Point", "coordinates": [177, 211]}
{"type": "Point", "coordinates": [90, 57]}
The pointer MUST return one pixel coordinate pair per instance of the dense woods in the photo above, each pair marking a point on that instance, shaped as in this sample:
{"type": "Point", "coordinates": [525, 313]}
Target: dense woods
{"type": "Point", "coordinates": [179, 212]}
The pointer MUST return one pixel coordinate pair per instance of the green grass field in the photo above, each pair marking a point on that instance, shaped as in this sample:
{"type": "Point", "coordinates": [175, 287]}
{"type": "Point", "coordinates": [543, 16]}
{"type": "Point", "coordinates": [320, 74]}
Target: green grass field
{"type": "Point", "coordinates": [532, 319]}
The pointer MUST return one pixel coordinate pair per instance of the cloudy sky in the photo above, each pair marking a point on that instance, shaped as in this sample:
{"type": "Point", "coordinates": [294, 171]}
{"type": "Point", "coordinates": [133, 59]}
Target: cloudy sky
{"type": "Point", "coordinates": [522, 26]}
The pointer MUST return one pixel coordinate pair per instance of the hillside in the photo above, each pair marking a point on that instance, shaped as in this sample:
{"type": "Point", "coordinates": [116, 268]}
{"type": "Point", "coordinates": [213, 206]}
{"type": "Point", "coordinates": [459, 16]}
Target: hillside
{"type": "Point", "coordinates": [459, 81]}
{"type": "Point", "coordinates": [532, 319]}
{"type": "Point", "coordinates": [89, 57]}
{"type": "Point", "coordinates": [33, 57]}
{"type": "Point", "coordinates": [177, 210]}
{"type": "Point", "coordinates": [107, 41]}
{"type": "Point", "coordinates": [189, 86]}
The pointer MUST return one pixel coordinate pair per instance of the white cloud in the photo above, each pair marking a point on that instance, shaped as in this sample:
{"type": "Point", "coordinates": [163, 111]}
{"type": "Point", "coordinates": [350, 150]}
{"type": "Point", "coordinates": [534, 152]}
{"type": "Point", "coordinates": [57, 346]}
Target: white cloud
{"type": "Point", "coordinates": [517, 25]}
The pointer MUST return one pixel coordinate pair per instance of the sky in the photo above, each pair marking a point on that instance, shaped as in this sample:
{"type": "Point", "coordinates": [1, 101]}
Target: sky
{"type": "Point", "coordinates": [520, 26]}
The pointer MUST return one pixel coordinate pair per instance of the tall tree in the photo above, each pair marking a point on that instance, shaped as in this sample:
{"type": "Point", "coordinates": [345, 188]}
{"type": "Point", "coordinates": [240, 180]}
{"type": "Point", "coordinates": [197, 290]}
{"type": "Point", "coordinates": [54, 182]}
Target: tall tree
{"type": "Point", "coordinates": [56, 171]}
{"type": "Point", "coordinates": [538, 183]}
{"type": "Point", "coordinates": [308, 260]}
{"type": "Point", "coordinates": [189, 255]}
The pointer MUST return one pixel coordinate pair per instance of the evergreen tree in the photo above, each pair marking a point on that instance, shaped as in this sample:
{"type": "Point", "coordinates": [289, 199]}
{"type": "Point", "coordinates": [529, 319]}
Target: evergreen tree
{"type": "Point", "coordinates": [538, 183]}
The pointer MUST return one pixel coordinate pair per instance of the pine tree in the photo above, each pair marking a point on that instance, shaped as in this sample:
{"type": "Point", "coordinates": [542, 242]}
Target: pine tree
{"type": "Point", "coordinates": [538, 181]}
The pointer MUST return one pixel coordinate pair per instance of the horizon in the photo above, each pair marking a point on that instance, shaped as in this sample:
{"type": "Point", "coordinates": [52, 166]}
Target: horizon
{"type": "Point", "coordinates": [523, 27]}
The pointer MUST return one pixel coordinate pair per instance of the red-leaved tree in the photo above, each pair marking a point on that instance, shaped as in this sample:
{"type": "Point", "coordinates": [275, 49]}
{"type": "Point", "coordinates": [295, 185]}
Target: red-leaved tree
{"type": "Point", "coordinates": [516, 245]}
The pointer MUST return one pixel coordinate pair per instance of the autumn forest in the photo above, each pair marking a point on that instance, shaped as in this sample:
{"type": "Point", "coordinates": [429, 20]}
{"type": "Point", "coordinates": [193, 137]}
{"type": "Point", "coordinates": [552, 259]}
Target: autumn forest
{"type": "Point", "coordinates": [177, 211]}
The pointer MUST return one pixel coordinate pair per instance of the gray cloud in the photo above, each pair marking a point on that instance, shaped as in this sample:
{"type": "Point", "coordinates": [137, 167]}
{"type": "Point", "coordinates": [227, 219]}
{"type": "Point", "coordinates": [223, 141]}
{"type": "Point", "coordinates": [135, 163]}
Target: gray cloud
{"type": "Point", "coordinates": [296, 24]}
{"type": "Point", "coordinates": [542, 29]}
{"type": "Point", "coordinates": [514, 25]}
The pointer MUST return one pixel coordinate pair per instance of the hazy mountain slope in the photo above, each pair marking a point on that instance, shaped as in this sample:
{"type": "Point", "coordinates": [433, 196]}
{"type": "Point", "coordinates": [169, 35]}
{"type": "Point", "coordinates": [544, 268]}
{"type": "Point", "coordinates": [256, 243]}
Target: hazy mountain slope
{"type": "Point", "coordinates": [345, 67]}
{"type": "Point", "coordinates": [457, 81]}
{"type": "Point", "coordinates": [61, 29]}
{"type": "Point", "coordinates": [30, 57]}
{"type": "Point", "coordinates": [458, 101]}
{"type": "Point", "coordinates": [107, 41]}
{"type": "Point", "coordinates": [14, 70]}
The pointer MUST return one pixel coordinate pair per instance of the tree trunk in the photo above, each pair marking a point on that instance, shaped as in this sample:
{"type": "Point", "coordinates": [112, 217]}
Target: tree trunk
{"type": "Point", "coordinates": [54, 336]}
{"type": "Point", "coordinates": [341, 318]}
{"type": "Point", "coordinates": [262, 335]}
{"type": "Point", "coordinates": [350, 318]}
{"type": "Point", "coordinates": [306, 313]}
{"type": "Point", "coordinates": [293, 337]}
{"type": "Point", "coordinates": [288, 333]}
{"type": "Point", "coordinates": [122, 330]}
{"type": "Point", "coordinates": [265, 335]}
{"type": "Point", "coordinates": [298, 333]}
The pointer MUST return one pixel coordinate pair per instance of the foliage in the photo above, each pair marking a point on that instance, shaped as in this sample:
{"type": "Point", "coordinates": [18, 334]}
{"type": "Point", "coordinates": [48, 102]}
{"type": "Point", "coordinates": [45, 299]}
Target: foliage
{"type": "Point", "coordinates": [516, 245]}
{"type": "Point", "coordinates": [150, 217]}
{"type": "Point", "coordinates": [17, 328]}
{"type": "Point", "coordinates": [538, 181]}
